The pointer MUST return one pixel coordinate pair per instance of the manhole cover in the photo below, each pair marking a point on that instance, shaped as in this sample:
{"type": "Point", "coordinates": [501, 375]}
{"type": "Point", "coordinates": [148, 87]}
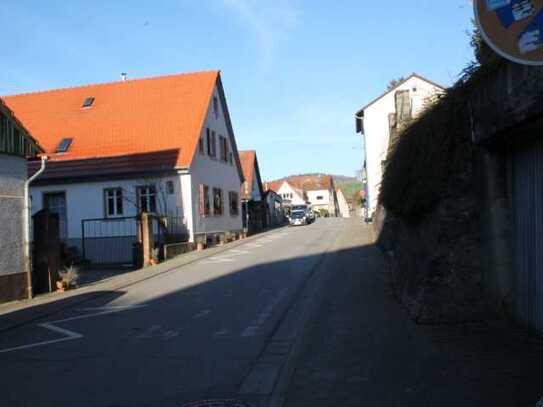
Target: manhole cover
{"type": "Point", "coordinates": [218, 403]}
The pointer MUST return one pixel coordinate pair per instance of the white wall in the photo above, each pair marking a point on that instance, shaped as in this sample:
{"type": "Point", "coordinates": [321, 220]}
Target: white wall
{"type": "Point", "coordinates": [12, 178]}
{"type": "Point", "coordinates": [214, 173]}
{"type": "Point", "coordinates": [85, 200]}
{"type": "Point", "coordinates": [287, 189]}
{"type": "Point", "coordinates": [343, 205]}
{"type": "Point", "coordinates": [376, 129]}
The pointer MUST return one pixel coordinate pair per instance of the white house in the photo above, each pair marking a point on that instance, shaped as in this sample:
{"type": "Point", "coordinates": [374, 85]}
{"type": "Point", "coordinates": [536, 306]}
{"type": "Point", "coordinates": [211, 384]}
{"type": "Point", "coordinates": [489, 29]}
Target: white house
{"type": "Point", "coordinates": [319, 190]}
{"type": "Point", "coordinates": [163, 145]}
{"type": "Point", "coordinates": [253, 205]}
{"type": "Point", "coordinates": [343, 205]}
{"type": "Point", "coordinates": [291, 195]}
{"type": "Point", "coordinates": [410, 97]}
{"type": "Point", "coordinates": [16, 144]}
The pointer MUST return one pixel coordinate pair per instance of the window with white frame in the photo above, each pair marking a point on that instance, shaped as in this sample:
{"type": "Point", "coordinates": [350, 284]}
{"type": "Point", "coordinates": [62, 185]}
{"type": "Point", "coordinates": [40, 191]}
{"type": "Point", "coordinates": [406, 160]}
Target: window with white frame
{"type": "Point", "coordinates": [113, 199]}
{"type": "Point", "coordinates": [147, 198]}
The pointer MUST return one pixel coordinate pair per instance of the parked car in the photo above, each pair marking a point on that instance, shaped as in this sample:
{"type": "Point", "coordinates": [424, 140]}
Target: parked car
{"type": "Point", "coordinates": [298, 218]}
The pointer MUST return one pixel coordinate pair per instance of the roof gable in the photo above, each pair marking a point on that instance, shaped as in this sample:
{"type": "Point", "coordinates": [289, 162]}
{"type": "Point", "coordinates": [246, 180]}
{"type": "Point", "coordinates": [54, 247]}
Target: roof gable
{"type": "Point", "coordinates": [26, 134]}
{"type": "Point", "coordinates": [251, 172]}
{"type": "Point", "coordinates": [413, 75]}
{"type": "Point", "coordinates": [126, 117]}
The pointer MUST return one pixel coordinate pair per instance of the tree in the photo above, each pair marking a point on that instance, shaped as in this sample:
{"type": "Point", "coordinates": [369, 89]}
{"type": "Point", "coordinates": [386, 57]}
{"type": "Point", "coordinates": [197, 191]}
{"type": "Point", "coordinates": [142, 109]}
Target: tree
{"type": "Point", "coordinates": [395, 82]}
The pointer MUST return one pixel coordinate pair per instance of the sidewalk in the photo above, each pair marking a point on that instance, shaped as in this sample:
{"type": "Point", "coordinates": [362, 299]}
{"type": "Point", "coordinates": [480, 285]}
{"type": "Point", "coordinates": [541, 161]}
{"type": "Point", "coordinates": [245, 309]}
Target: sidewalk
{"type": "Point", "coordinates": [19, 313]}
{"type": "Point", "coordinates": [360, 349]}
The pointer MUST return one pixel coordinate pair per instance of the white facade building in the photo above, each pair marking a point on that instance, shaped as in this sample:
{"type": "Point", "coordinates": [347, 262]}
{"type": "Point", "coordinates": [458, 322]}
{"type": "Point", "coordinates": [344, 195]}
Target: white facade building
{"type": "Point", "coordinates": [344, 210]}
{"type": "Point", "coordinates": [291, 195]}
{"type": "Point", "coordinates": [185, 165]}
{"type": "Point", "coordinates": [373, 122]}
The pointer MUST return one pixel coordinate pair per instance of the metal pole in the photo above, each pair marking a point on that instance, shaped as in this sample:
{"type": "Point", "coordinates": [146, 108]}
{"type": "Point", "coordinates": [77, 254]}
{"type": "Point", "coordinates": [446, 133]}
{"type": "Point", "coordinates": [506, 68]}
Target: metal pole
{"type": "Point", "coordinates": [26, 220]}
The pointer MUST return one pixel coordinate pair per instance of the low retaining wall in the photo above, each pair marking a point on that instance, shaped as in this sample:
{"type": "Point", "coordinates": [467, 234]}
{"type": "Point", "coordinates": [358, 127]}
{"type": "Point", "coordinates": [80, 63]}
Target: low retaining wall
{"type": "Point", "coordinates": [13, 287]}
{"type": "Point", "coordinates": [175, 249]}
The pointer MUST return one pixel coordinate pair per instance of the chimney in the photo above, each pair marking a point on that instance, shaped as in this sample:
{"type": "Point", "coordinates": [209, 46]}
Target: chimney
{"type": "Point", "coordinates": [123, 76]}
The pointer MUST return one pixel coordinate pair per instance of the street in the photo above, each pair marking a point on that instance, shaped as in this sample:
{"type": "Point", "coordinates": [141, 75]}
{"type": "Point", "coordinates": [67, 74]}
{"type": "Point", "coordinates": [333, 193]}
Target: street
{"type": "Point", "coordinates": [190, 334]}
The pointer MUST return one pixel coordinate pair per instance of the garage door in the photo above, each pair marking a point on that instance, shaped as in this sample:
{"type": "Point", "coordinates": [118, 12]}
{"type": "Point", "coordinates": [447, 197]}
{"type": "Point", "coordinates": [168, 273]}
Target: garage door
{"type": "Point", "coordinates": [528, 239]}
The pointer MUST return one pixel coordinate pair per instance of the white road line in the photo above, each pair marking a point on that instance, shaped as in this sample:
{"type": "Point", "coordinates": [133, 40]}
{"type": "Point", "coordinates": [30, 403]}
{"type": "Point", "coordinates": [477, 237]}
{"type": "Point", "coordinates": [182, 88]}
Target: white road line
{"type": "Point", "coordinates": [218, 260]}
{"type": "Point", "coordinates": [201, 314]}
{"type": "Point", "coordinates": [237, 252]}
{"type": "Point", "coordinates": [107, 310]}
{"type": "Point", "coordinates": [253, 245]}
{"type": "Point", "coordinates": [70, 335]}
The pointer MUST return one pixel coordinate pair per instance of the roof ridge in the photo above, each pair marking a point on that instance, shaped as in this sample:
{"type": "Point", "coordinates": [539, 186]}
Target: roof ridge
{"type": "Point", "coordinates": [148, 78]}
{"type": "Point", "coordinates": [386, 92]}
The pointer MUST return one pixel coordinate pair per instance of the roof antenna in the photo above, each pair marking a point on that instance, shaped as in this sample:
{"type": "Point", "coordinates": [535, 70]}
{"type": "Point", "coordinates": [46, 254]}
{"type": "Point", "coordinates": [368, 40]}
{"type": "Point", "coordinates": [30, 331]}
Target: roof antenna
{"type": "Point", "coordinates": [123, 76]}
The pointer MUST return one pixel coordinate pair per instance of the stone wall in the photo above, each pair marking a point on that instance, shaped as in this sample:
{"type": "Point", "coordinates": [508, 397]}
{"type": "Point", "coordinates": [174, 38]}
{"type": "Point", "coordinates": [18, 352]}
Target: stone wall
{"type": "Point", "coordinates": [12, 178]}
{"type": "Point", "coordinates": [436, 265]}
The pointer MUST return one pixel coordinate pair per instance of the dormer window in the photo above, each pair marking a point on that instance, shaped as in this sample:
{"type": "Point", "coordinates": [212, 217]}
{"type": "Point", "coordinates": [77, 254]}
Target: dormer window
{"type": "Point", "coordinates": [88, 102]}
{"type": "Point", "coordinates": [64, 145]}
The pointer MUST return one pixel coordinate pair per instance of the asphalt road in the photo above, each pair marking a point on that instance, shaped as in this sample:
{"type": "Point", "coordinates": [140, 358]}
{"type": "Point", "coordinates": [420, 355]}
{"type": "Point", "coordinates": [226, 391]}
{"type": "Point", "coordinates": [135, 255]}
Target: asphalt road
{"type": "Point", "coordinates": [193, 333]}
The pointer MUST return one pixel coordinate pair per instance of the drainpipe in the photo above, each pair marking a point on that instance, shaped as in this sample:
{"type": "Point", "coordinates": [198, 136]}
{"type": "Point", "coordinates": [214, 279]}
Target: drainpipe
{"type": "Point", "coordinates": [26, 221]}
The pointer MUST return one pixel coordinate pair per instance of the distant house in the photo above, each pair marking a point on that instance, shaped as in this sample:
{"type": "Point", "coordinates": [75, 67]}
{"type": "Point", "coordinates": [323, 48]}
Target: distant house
{"type": "Point", "coordinates": [320, 192]}
{"type": "Point", "coordinates": [16, 144]}
{"type": "Point", "coordinates": [274, 212]}
{"type": "Point", "coordinates": [343, 205]}
{"type": "Point", "coordinates": [253, 205]}
{"type": "Point", "coordinates": [379, 123]}
{"type": "Point", "coordinates": [163, 145]}
{"type": "Point", "coordinates": [290, 194]}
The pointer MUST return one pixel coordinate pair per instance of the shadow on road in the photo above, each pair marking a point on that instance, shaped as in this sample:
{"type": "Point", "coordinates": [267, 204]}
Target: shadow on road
{"type": "Point", "coordinates": [360, 346]}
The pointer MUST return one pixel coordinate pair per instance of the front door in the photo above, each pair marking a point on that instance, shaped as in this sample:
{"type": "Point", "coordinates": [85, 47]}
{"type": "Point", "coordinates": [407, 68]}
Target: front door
{"type": "Point", "coordinates": [56, 203]}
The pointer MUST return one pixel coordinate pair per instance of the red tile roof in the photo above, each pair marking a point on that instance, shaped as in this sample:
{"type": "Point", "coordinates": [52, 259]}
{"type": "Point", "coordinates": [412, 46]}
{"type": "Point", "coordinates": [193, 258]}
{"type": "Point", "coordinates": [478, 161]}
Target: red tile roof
{"type": "Point", "coordinates": [249, 166]}
{"type": "Point", "coordinates": [160, 161]}
{"type": "Point", "coordinates": [275, 186]}
{"type": "Point", "coordinates": [127, 117]}
{"type": "Point", "coordinates": [311, 182]}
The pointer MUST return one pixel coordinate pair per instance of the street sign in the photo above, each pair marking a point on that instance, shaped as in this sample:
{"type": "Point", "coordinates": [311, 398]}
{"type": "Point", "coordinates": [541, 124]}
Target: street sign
{"type": "Point", "coordinates": [512, 28]}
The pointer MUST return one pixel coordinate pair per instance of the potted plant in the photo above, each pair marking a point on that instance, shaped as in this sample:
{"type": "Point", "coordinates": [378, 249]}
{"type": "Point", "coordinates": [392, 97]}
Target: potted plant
{"type": "Point", "coordinates": [68, 278]}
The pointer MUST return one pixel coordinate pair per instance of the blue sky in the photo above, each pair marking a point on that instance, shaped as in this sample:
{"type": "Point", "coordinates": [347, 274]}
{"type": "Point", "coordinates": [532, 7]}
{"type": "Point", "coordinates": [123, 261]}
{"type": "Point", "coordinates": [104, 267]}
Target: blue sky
{"type": "Point", "coordinates": [294, 71]}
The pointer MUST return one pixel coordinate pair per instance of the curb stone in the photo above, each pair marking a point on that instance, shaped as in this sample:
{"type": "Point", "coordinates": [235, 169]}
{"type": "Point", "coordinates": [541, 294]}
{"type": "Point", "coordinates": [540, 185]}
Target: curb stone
{"type": "Point", "coordinates": [52, 303]}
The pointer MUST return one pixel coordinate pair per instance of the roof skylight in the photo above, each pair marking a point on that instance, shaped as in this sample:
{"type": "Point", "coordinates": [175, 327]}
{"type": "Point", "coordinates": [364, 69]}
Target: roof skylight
{"type": "Point", "coordinates": [88, 102]}
{"type": "Point", "coordinates": [64, 145]}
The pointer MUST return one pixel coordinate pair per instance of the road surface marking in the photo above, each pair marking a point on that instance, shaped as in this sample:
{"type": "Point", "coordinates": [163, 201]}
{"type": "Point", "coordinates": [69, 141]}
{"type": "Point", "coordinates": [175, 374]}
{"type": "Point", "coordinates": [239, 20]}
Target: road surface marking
{"type": "Point", "coordinates": [70, 335]}
{"type": "Point", "coordinates": [215, 260]}
{"type": "Point", "coordinates": [201, 314]}
{"type": "Point", "coordinates": [252, 329]}
{"type": "Point", "coordinates": [149, 332]}
{"type": "Point", "coordinates": [237, 252]}
{"type": "Point", "coordinates": [253, 245]}
{"type": "Point", "coordinates": [222, 332]}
